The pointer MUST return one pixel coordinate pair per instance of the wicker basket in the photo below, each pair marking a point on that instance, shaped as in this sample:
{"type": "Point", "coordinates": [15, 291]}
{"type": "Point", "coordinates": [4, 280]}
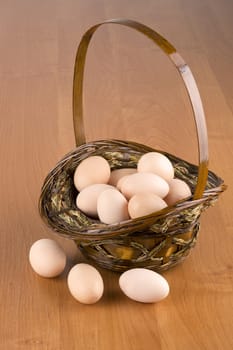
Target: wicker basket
{"type": "Point", "coordinates": [159, 240]}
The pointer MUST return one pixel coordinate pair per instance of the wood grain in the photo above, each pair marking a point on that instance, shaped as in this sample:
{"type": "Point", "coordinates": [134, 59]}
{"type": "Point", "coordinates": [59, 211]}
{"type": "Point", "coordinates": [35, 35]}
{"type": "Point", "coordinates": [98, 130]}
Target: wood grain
{"type": "Point", "coordinates": [131, 92]}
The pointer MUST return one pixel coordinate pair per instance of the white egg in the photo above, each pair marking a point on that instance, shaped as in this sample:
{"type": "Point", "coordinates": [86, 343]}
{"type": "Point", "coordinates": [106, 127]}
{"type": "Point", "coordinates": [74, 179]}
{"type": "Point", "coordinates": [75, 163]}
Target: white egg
{"type": "Point", "coordinates": [87, 198]}
{"type": "Point", "coordinates": [144, 204]}
{"type": "Point", "coordinates": [142, 183]}
{"type": "Point", "coordinates": [178, 190]}
{"type": "Point", "coordinates": [92, 170]}
{"type": "Point", "coordinates": [47, 258]}
{"type": "Point", "coordinates": [85, 283]}
{"type": "Point", "coordinates": [112, 207]}
{"type": "Point", "coordinates": [117, 174]}
{"type": "Point", "coordinates": [157, 163]}
{"type": "Point", "coordinates": [120, 182]}
{"type": "Point", "coordinates": [144, 285]}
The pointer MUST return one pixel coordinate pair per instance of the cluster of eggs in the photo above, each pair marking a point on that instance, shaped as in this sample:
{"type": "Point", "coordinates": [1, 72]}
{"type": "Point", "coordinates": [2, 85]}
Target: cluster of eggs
{"type": "Point", "coordinates": [127, 193]}
{"type": "Point", "coordinates": [112, 197]}
{"type": "Point", "coordinates": [84, 281]}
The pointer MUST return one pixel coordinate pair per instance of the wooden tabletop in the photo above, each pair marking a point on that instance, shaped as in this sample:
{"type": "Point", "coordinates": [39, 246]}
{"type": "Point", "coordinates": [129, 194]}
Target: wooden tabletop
{"type": "Point", "coordinates": [132, 92]}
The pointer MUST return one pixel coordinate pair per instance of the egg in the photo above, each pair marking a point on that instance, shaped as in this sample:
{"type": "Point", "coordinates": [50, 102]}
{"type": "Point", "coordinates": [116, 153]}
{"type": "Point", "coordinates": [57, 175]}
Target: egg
{"type": "Point", "coordinates": [120, 182]}
{"type": "Point", "coordinates": [112, 207]}
{"type": "Point", "coordinates": [178, 190]}
{"type": "Point", "coordinates": [143, 285]}
{"type": "Point", "coordinates": [92, 170]}
{"type": "Point", "coordinates": [117, 174]}
{"type": "Point", "coordinates": [85, 283]}
{"type": "Point", "coordinates": [47, 258]}
{"type": "Point", "coordinates": [144, 204]}
{"type": "Point", "coordinates": [144, 182]}
{"type": "Point", "coordinates": [87, 198]}
{"type": "Point", "coordinates": [157, 163]}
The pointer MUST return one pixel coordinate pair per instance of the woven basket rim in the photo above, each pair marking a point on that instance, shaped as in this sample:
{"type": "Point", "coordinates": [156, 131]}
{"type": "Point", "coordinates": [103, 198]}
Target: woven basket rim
{"type": "Point", "coordinates": [98, 229]}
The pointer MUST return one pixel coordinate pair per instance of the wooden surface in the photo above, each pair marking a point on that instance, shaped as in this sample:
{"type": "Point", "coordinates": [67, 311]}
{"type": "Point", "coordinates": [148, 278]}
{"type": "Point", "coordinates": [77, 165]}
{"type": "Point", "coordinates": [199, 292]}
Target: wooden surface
{"type": "Point", "coordinates": [131, 92]}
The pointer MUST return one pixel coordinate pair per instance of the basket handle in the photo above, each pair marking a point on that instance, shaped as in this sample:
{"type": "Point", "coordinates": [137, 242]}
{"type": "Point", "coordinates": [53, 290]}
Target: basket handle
{"type": "Point", "coordinates": [182, 68]}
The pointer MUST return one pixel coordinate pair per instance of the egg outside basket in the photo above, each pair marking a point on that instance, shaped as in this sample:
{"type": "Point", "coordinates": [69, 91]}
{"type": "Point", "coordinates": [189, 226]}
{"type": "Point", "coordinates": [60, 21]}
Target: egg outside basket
{"type": "Point", "coordinates": [157, 241]}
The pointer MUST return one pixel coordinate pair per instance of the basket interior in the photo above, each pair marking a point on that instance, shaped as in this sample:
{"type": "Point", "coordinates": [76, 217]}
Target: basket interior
{"type": "Point", "coordinates": [57, 202]}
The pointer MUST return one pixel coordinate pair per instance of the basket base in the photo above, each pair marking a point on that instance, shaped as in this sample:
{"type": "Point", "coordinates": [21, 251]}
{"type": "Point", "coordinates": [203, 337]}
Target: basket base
{"type": "Point", "coordinates": [157, 253]}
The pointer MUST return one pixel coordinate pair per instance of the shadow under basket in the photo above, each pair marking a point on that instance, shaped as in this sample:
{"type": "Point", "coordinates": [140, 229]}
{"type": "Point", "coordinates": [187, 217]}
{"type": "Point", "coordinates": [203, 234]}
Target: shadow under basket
{"type": "Point", "coordinates": [156, 241]}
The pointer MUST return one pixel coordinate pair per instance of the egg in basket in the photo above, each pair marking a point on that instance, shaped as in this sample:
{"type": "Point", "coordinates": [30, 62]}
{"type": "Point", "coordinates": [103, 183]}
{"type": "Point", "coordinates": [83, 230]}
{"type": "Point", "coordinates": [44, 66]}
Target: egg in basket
{"type": "Point", "coordinates": [158, 240]}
